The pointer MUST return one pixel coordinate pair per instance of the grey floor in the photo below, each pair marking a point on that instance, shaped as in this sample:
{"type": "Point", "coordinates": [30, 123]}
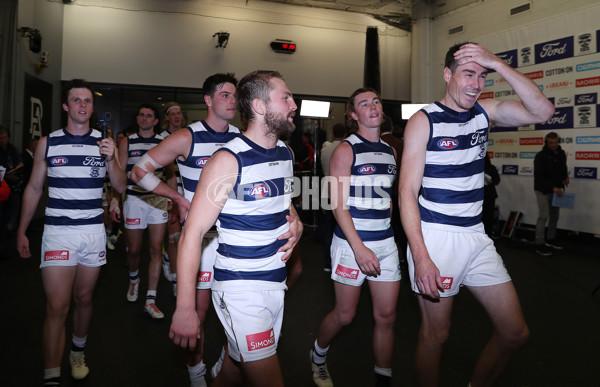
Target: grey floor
{"type": "Point", "coordinates": [559, 295]}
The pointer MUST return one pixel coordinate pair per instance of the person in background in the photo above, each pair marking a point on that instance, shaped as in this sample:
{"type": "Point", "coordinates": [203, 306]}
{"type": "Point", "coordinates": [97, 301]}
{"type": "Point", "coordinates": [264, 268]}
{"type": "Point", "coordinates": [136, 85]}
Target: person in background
{"type": "Point", "coordinates": [328, 222]}
{"type": "Point", "coordinates": [491, 180]}
{"type": "Point", "coordinates": [363, 169]}
{"type": "Point", "coordinates": [172, 122]}
{"type": "Point", "coordinates": [441, 194]}
{"type": "Point", "coordinates": [11, 160]}
{"type": "Point", "coordinates": [550, 177]}
{"type": "Point", "coordinates": [144, 210]}
{"type": "Point", "coordinates": [75, 159]}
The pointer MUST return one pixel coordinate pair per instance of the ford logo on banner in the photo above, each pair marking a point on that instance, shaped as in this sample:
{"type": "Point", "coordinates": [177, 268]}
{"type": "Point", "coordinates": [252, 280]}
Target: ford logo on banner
{"type": "Point", "coordinates": [586, 173]}
{"type": "Point", "coordinates": [554, 50]}
{"type": "Point", "coordinates": [586, 99]}
{"type": "Point", "coordinates": [562, 119]}
{"type": "Point", "coordinates": [510, 57]}
{"type": "Point", "coordinates": [510, 169]}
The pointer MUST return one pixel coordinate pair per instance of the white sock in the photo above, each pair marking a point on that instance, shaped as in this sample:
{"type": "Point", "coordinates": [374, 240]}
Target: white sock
{"type": "Point", "coordinates": [319, 354]}
{"type": "Point", "coordinates": [79, 342]}
{"type": "Point", "coordinates": [198, 371]}
{"type": "Point", "coordinates": [383, 371]}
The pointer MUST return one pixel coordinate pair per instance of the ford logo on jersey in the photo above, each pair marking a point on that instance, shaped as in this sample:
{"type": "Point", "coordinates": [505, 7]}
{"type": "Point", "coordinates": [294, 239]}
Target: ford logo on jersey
{"type": "Point", "coordinates": [59, 161]}
{"type": "Point", "coordinates": [367, 169]}
{"type": "Point", "coordinates": [201, 162]}
{"type": "Point", "coordinates": [447, 143]}
{"type": "Point", "coordinates": [259, 190]}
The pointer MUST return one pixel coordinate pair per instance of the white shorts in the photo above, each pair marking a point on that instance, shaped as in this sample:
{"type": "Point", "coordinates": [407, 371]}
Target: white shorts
{"type": "Point", "coordinates": [252, 322]}
{"type": "Point", "coordinates": [207, 263]}
{"type": "Point", "coordinates": [139, 213]}
{"type": "Point", "coordinates": [345, 270]}
{"type": "Point", "coordinates": [86, 249]}
{"type": "Point", "coordinates": [463, 257]}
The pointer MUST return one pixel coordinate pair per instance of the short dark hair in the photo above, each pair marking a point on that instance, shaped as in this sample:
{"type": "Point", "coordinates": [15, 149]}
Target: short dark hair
{"type": "Point", "coordinates": [74, 84]}
{"type": "Point", "coordinates": [339, 130]}
{"type": "Point", "coordinates": [151, 107]}
{"type": "Point", "coordinates": [550, 135]}
{"type": "Point", "coordinates": [351, 122]}
{"type": "Point", "coordinates": [212, 83]}
{"type": "Point", "coordinates": [257, 84]}
{"type": "Point", "coordinates": [450, 62]}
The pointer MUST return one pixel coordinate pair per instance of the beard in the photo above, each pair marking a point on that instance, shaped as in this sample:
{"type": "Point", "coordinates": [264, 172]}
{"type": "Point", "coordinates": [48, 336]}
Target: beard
{"type": "Point", "coordinates": [279, 125]}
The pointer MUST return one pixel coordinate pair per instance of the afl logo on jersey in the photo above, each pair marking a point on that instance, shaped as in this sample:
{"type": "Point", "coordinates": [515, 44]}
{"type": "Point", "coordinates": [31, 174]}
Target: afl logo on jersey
{"type": "Point", "coordinates": [135, 153]}
{"type": "Point", "coordinates": [201, 162]}
{"type": "Point", "coordinates": [367, 169]}
{"type": "Point", "coordinates": [59, 161]}
{"type": "Point", "coordinates": [447, 143]}
{"type": "Point", "coordinates": [259, 190]}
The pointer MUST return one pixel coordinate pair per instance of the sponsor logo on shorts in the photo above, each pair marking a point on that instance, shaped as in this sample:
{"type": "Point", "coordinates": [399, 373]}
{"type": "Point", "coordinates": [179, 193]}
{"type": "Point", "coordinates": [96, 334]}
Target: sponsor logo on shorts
{"type": "Point", "coordinates": [346, 272]}
{"type": "Point", "coordinates": [204, 276]}
{"type": "Point", "coordinates": [133, 222]}
{"type": "Point", "coordinates": [102, 254]}
{"type": "Point", "coordinates": [261, 340]}
{"type": "Point", "coordinates": [367, 169]}
{"type": "Point", "coordinates": [447, 143]}
{"type": "Point", "coordinates": [447, 283]}
{"type": "Point", "coordinates": [56, 255]}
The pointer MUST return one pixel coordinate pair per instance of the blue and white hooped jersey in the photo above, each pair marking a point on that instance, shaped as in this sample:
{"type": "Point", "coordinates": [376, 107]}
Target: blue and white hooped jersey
{"type": "Point", "coordinates": [76, 174]}
{"type": "Point", "coordinates": [164, 135]}
{"type": "Point", "coordinates": [205, 142]}
{"type": "Point", "coordinates": [453, 179]}
{"type": "Point", "coordinates": [137, 147]}
{"type": "Point", "coordinates": [371, 178]}
{"type": "Point", "coordinates": [253, 217]}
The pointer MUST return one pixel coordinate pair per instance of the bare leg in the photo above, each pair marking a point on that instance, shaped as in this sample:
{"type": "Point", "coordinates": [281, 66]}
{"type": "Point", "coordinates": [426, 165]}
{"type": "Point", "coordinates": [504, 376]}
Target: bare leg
{"type": "Point", "coordinates": [83, 291]}
{"type": "Point", "coordinates": [294, 267]}
{"type": "Point", "coordinates": [385, 299]}
{"type": "Point", "coordinates": [510, 331]}
{"type": "Point", "coordinates": [196, 355]}
{"type": "Point", "coordinates": [346, 300]}
{"type": "Point", "coordinates": [134, 246]}
{"type": "Point", "coordinates": [58, 284]}
{"type": "Point", "coordinates": [230, 375]}
{"type": "Point", "coordinates": [156, 235]}
{"type": "Point", "coordinates": [435, 326]}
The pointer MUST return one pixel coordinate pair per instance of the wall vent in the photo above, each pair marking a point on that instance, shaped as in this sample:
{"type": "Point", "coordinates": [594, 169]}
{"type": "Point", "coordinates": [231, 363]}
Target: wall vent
{"type": "Point", "coordinates": [520, 9]}
{"type": "Point", "coordinates": [456, 30]}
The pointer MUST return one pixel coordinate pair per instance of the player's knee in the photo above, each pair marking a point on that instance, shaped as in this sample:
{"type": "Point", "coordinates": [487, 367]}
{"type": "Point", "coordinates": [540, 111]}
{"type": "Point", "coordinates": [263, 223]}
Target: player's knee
{"type": "Point", "coordinates": [345, 317]}
{"type": "Point", "coordinates": [434, 334]}
{"type": "Point", "coordinates": [516, 337]}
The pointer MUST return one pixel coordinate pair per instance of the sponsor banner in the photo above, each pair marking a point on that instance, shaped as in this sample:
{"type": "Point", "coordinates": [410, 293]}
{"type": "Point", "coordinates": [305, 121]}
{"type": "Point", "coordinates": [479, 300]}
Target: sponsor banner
{"type": "Point", "coordinates": [531, 141]}
{"type": "Point", "coordinates": [585, 82]}
{"type": "Point", "coordinates": [535, 75]}
{"type": "Point", "coordinates": [527, 155]}
{"type": "Point", "coordinates": [584, 44]}
{"type": "Point", "coordinates": [586, 173]}
{"type": "Point", "coordinates": [586, 99]}
{"type": "Point", "coordinates": [510, 57]}
{"type": "Point", "coordinates": [587, 155]}
{"type": "Point", "coordinates": [526, 57]}
{"type": "Point", "coordinates": [562, 119]}
{"type": "Point", "coordinates": [510, 169]}
{"type": "Point", "coordinates": [486, 95]}
{"type": "Point", "coordinates": [585, 116]}
{"type": "Point", "coordinates": [588, 66]}
{"type": "Point", "coordinates": [490, 142]}
{"type": "Point", "coordinates": [558, 71]}
{"type": "Point", "coordinates": [554, 50]}
{"type": "Point", "coordinates": [526, 170]}
{"type": "Point", "coordinates": [587, 140]}
{"type": "Point", "coordinates": [506, 155]}
{"type": "Point", "coordinates": [566, 100]}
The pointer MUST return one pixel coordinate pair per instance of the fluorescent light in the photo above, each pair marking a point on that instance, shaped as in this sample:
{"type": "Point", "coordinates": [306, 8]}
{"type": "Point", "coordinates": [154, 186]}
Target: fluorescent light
{"type": "Point", "coordinates": [408, 109]}
{"type": "Point", "coordinates": [310, 108]}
